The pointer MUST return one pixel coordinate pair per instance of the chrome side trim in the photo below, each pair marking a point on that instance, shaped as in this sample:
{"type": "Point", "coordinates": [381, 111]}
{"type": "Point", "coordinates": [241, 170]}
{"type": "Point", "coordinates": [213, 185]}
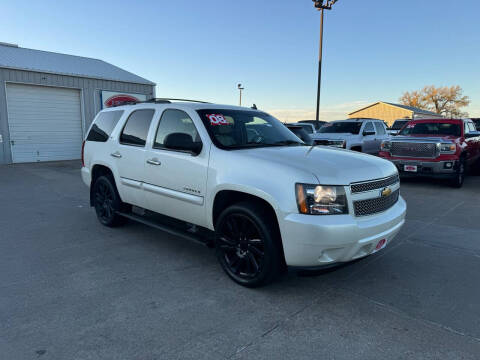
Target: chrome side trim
{"type": "Point", "coordinates": [193, 199]}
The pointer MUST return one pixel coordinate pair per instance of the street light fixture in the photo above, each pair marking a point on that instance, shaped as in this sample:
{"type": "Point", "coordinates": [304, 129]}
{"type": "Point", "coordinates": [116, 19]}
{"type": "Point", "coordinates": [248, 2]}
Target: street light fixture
{"type": "Point", "coordinates": [240, 88]}
{"type": "Point", "coordinates": [321, 5]}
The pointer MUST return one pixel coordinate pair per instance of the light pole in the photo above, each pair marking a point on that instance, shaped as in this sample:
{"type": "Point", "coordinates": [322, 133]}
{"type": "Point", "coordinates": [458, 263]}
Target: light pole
{"type": "Point", "coordinates": [240, 88]}
{"type": "Point", "coordinates": [321, 5]}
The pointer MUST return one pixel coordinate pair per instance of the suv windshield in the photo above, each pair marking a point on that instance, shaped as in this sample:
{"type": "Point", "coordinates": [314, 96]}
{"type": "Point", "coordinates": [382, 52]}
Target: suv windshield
{"type": "Point", "coordinates": [342, 127]}
{"type": "Point", "coordinates": [238, 129]}
{"type": "Point", "coordinates": [398, 124]}
{"type": "Point", "coordinates": [436, 128]}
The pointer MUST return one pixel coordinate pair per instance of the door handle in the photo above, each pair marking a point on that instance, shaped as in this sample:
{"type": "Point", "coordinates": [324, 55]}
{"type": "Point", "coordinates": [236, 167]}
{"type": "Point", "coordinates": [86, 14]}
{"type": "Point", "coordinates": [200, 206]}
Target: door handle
{"type": "Point", "coordinates": [116, 154]}
{"type": "Point", "coordinates": [154, 162]}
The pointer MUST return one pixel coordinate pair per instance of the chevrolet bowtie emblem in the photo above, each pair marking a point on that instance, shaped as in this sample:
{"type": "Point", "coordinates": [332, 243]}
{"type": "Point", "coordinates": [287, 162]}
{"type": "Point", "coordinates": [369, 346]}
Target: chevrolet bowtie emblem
{"type": "Point", "coordinates": [386, 192]}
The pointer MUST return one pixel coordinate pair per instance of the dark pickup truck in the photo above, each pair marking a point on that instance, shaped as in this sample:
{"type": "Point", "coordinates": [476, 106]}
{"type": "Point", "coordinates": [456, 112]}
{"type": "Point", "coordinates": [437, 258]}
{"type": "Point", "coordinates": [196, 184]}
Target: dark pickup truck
{"type": "Point", "coordinates": [443, 148]}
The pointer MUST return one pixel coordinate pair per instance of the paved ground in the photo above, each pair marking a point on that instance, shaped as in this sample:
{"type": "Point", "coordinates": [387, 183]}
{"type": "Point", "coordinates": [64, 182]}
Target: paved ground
{"type": "Point", "coordinates": [72, 289]}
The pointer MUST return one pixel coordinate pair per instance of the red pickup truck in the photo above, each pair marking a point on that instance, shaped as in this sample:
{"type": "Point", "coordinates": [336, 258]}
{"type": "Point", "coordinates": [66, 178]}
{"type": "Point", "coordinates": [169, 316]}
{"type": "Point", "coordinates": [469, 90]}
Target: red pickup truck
{"type": "Point", "coordinates": [443, 148]}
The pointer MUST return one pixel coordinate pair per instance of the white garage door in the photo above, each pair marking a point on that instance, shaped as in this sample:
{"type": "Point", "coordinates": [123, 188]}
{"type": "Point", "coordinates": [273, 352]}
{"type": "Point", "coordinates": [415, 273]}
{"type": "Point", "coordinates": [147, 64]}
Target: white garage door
{"type": "Point", "coordinates": [45, 123]}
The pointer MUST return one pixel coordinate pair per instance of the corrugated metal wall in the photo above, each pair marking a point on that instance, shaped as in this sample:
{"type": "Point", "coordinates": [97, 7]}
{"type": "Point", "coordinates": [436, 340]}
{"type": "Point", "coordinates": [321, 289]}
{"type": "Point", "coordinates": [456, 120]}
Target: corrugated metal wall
{"type": "Point", "coordinates": [90, 96]}
{"type": "Point", "coordinates": [384, 112]}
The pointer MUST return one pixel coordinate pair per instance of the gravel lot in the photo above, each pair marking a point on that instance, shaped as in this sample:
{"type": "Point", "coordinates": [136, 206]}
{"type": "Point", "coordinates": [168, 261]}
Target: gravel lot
{"type": "Point", "coordinates": [72, 289]}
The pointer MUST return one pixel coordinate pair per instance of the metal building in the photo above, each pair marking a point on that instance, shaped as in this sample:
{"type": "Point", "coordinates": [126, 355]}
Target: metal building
{"type": "Point", "coordinates": [48, 100]}
{"type": "Point", "coordinates": [389, 112]}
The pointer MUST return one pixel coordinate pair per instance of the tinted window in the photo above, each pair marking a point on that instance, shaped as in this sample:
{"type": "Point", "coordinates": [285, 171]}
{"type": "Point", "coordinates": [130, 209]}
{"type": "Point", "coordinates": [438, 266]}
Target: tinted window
{"type": "Point", "coordinates": [301, 133]}
{"type": "Point", "coordinates": [437, 128]}
{"type": "Point", "coordinates": [136, 129]}
{"type": "Point", "coordinates": [349, 127]}
{"type": "Point", "coordinates": [235, 129]}
{"type": "Point", "coordinates": [398, 124]}
{"type": "Point", "coordinates": [317, 124]}
{"type": "Point", "coordinates": [307, 128]}
{"type": "Point", "coordinates": [380, 129]}
{"type": "Point", "coordinates": [175, 121]}
{"type": "Point", "coordinates": [477, 123]}
{"type": "Point", "coordinates": [103, 125]}
{"type": "Point", "coordinates": [369, 127]}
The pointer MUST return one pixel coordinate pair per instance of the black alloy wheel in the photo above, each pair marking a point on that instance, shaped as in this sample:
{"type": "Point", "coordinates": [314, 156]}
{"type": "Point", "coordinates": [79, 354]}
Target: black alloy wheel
{"type": "Point", "coordinates": [107, 202]}
{"type": "Point", "coordinates": [245, 246]}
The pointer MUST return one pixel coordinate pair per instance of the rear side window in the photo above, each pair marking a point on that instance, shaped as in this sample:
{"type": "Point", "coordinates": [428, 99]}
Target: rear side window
{"type": "Point", "coordinates": [103, 126]}
{"type": "Point", "coordinates": [135, 130]}
{"type": "Point", "coordinates": [380, 128]}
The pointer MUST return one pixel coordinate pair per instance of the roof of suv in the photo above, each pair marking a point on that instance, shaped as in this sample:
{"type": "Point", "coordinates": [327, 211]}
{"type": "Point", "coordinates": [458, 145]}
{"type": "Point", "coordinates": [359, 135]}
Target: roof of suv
{"type": "Point", "coordinates": [189, 105]}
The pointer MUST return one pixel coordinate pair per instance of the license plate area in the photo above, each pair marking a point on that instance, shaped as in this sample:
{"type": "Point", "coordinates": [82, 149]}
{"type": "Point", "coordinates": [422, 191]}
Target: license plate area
{"type": "Point", "coordinates": [410, 168]}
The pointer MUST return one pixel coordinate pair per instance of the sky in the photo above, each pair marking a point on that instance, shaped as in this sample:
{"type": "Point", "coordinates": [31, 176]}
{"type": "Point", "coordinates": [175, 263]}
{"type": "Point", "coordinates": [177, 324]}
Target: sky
{"type": "Point", "coordinates": [373, 50]}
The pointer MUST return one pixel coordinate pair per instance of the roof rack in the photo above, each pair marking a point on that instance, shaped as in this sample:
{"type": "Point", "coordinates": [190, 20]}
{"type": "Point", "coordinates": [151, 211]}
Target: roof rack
{"type": "Point", "coordinates": [156, 101]}
{"type": "Point", "coordinates": [169, 100]}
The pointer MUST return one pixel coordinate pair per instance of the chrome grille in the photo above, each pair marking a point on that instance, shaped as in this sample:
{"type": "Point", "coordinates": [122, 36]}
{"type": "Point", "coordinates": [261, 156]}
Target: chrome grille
{"type": "Point", "coordinates": [376, 205]}
{"type": "Point", "coordinates": [374, 184]}
{"type": "Point", "coordinates": [413, 149]}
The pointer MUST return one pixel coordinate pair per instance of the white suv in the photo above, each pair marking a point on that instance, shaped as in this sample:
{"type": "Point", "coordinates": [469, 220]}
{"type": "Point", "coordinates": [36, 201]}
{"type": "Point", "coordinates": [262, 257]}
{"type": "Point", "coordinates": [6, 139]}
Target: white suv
{"type": "Point", "coordinates": [363, 135]}
{"type": "Point", "coordinates": [238, 179]}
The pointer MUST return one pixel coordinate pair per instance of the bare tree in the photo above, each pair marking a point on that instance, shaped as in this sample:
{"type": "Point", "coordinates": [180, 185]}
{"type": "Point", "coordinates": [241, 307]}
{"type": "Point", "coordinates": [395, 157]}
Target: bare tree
{"type": "Point", "coordinates": [446, 101]}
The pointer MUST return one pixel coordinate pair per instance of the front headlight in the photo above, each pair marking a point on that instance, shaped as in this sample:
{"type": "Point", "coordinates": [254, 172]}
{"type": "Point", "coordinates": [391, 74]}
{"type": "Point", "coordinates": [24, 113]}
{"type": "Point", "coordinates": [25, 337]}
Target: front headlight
{"type": "Point", "coordinates": [386, 145]}
{"type": "Point", "coordinates": [321, 200]}
{"type": "Point", "coordinates": [448, 148]}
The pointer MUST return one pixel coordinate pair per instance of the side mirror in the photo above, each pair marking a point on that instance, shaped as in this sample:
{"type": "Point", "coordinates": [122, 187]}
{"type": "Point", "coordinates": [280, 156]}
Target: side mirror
{"type": "Point", "coordinates": [182, 142]}
{"type": "Point", "coordinates": [366, 133]}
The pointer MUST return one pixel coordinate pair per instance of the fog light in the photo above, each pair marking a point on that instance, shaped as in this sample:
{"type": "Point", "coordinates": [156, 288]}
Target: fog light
{"type": "Point", "coordinates": [448, 165]}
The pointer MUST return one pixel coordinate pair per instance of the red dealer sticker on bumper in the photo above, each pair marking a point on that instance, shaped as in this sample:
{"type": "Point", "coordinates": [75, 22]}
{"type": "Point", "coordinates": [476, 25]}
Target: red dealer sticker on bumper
{"type": "Point", "coordinates": [381, 244]}
{"type": "Point", "coordinates": [217, 119]}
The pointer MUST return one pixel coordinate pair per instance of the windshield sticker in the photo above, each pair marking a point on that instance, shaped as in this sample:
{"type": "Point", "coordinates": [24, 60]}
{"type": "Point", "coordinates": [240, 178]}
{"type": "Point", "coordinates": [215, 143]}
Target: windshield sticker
{"type": "Point", "coordinates": [217, 119]}
{"type": "Point", "coordinates": [328, 124]}
{"type": "Point", "coordinates": [410, 126]}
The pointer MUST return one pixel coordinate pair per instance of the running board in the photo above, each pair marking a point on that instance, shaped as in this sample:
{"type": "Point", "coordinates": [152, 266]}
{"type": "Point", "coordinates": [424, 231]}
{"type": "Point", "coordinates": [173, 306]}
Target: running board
{"type": "Point", "coordinates": [198, 236]}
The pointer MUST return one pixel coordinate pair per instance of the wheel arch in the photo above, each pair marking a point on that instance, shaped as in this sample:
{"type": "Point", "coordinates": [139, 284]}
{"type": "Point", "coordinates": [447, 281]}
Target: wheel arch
{"type": "Point", "coordinates": [227, 197]}
{"type": "Point", "coordinates": [97, 171]}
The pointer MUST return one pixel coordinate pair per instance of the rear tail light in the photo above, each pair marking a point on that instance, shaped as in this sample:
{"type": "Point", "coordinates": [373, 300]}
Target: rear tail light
{"type": "Point", "coordinates": [83, 150]}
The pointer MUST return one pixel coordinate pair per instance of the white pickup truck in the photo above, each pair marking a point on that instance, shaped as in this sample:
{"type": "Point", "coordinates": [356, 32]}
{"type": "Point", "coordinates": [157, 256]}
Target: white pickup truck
{"type": "Point", "coordinates": [239, 180]}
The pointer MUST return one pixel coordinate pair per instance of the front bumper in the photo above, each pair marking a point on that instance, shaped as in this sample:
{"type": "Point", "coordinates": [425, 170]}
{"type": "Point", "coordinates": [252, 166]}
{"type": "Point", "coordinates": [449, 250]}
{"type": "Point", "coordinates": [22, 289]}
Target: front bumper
{"type": "Point", "coordinates": [440, 169]}
{"type": "Point", "coordinates": [310, 241]}
{"type": "Point", "coordinates": [86, 176]}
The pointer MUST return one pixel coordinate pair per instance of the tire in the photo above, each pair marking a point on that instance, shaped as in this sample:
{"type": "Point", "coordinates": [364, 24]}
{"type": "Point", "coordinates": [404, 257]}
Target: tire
{"type": "Point", "coordinates": [457, 181]}
{"type": "Point", "coordinates": [107, 202]}
{"type": "Point", "coordinates": [247, 246]}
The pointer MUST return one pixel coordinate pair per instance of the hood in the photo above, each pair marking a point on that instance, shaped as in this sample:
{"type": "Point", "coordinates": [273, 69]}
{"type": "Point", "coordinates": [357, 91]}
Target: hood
{"type": "Point", "coordinates": [333, 136]}
{"type": "Point", "coordinates": [330, 166]}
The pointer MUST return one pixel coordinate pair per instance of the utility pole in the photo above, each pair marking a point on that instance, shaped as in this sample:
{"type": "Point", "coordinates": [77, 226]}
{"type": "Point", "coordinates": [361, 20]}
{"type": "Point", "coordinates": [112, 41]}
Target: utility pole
{"type": "Point", "coordinates": [240, 88]}
{"type": "Point", "coordinates": [321, 5]}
